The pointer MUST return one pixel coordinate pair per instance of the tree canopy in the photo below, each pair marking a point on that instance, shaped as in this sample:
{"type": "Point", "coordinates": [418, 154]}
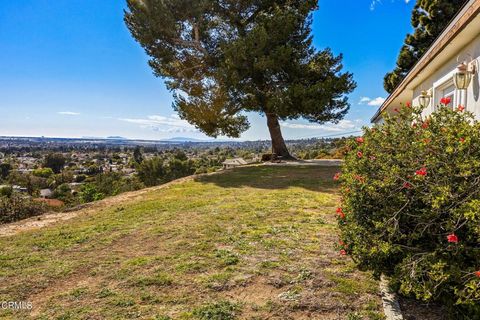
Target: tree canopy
{"type": "Point", "coordinates": [54, 161]}
{"type": "Point", "coordinates": [429, 19]}
{"type": "Point", "coordinates": [224, 58]}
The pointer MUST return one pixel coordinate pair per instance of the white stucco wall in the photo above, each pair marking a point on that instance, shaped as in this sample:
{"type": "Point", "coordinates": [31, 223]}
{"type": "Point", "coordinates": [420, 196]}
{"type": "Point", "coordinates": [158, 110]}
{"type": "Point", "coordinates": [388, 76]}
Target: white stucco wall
{"type": "Point", "coordinates": [441, 77]}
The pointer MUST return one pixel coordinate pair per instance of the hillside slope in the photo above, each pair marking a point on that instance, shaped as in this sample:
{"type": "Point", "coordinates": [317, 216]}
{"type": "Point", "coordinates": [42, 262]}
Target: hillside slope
{"type": "Point", "coordinates": [253, 243]}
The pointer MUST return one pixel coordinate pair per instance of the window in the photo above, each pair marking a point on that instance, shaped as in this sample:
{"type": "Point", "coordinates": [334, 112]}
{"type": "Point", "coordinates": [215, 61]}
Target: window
{"type": "Point", "coordinates": [449, 92]}
{"type": "Point", "coordinates": [446, 90]}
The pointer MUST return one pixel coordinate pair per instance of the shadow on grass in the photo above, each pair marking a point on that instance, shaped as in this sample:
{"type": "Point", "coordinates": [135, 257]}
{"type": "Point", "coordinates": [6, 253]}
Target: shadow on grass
{"type": "Point", "coordinates": [313, 178]}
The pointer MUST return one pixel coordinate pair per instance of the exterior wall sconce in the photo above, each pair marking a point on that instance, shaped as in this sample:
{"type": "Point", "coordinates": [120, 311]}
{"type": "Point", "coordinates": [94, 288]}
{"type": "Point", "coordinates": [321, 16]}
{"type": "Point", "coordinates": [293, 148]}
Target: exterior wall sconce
{"type": "Point", "coordinates": [463, 75]}
{"type": "Point", "coordinates": [424, 99]}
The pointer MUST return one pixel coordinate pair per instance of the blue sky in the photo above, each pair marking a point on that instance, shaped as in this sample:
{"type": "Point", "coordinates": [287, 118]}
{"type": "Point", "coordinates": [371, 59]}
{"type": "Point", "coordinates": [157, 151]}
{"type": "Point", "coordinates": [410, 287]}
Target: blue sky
{"type": "Point", "coordinates": [69, 68]}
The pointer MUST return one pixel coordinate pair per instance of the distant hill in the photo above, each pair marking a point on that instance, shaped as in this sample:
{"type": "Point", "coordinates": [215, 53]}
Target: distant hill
{"type": "Point", "coordinates": [184, 139]}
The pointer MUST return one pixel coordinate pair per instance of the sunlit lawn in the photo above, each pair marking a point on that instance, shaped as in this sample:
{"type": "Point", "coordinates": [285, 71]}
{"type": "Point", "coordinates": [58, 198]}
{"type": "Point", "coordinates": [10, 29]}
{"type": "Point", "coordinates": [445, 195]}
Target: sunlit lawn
{"type": "Point", "coordinates": [253, 243]}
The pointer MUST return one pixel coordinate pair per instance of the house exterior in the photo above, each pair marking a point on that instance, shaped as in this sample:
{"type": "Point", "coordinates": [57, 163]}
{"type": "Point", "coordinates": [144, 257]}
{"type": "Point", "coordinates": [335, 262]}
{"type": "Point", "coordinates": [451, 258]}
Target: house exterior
{"type": "Point", "coordinates": [233, 163]}
{"type": "Point", "coordinates": [436, 74]}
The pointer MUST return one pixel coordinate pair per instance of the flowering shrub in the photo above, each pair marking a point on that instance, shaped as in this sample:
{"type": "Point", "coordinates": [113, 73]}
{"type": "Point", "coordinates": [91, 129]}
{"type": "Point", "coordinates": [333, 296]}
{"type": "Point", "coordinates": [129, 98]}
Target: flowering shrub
{"type": "Point", "coordinates": [411, 205]}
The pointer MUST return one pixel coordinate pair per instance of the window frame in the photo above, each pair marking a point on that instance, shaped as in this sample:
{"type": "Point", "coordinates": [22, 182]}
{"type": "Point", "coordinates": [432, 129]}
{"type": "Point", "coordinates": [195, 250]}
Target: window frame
{"type": "Point", "coordinates": [438, 91]}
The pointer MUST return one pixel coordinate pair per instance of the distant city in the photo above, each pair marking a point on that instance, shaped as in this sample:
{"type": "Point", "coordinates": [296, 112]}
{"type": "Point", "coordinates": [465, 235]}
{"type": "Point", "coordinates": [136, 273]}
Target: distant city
{"type": "Point", "coordinates": [54, 143]}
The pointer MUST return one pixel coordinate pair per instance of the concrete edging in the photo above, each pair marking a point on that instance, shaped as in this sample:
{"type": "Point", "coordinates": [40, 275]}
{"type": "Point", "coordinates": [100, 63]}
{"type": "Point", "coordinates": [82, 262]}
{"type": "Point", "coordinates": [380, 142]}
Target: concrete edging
{"type": "Point", "coordinates": [391, 307]}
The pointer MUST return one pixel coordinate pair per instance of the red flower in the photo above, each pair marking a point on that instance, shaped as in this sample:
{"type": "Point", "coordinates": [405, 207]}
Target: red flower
{"type": "Point", "coordinates": [340, 242]}
{"type": "Point", "coordinates": [408, 104]}
{"type": "Point", "coordinates": [396, 110]}
{"type": "Point", "coordinates": [425, 125]}
{"type": "Point", "coordinates": [407, 185]}
{"type": "Point", "coordinates": [427, 141]}
{"type": "Point", "coordinates": [360, 140]}
{"type": "Point", "coordinates": [445, 101]}
{"type": "Point", "coordinates": [452, 238]}
{"type": "Point", "coordinates": [337, 175]}
{"type": "Point", "coordinates": [340, 213]}
{"type": "Point", "coordinates": [343, 252]}
{"type": "Point", "coordinates": [422, 172]}
{"type": "Point", "coordinates": [360, 154]}
{"type": "Point", "coordinates": [359, 178]}
{"type": "Point", "coordinates": [462, 140]}
{"type": "Point", "coordinates": [461, 108]}
{"type": "Point", "coordinates": [477, 273]}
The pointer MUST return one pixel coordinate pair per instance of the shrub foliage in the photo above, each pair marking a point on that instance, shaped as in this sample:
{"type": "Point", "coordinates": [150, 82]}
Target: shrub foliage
{"type": "Point", "coordinates": [411, 205]}
{"type": "Point", "coordinates": [14, 207]}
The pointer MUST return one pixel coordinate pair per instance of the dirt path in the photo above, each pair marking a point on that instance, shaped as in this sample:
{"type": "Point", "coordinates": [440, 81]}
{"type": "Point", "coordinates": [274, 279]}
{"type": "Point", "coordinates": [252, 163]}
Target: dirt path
{"type": "Point", "coordinates": [38, 222]}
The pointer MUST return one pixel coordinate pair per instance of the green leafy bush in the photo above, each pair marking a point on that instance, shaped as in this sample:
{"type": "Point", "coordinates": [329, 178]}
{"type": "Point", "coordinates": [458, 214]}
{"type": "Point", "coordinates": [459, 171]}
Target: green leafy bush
{"type": "Point", "coordinates": [411, 205]}
{"type": "Point", "coordinates": [15, 207]}
{"type": "Point", "coordinates": [90, 193]}
{"type": "Point", "coordinates": [43, 172]}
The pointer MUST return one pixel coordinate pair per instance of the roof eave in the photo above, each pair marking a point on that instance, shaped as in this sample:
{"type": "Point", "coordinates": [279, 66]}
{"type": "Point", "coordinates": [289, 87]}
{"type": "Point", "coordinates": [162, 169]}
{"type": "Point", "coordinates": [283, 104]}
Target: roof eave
{"type": "Point", "coordinates": [459, 22]}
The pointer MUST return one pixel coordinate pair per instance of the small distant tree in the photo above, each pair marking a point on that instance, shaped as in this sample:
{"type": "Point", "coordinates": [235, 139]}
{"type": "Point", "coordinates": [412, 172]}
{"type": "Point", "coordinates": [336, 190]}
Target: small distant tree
{"type": "Point", "coordinates": [80, 178]}
{"type": "Point", "coordinates": [222, 59]}
{"type": "Point", "coordinates": [43, 172]}
{"type": "Point", "coordinates": [29, 181]}
{"type": "Point", "coordinates": [67, 176]}
{"type": "Point", "coordinates": [113, 183]}
{"type": "Point", "coordinates": [152, 172]}
{"type": "Point", "coordinates": [137, 155]}
{"type": "Point", "coordinates": [64, 193]}
{"type": "Point", "coordinates": [5, 169]}
{"type": "Point", "coordinates": [16, 207]}
{"type": "Point", "coordinates": [6, 191]}
{"type": "Point", "coordinates": [131, 184]}
{"type": "Point", "coordinates": [93, 170]}
{"type": "Point", "coordinates": [177, 168]}
{"type": "Point", "coordinates": [90, 193]}
{"type": "Point", "coordinates": [54, 161]}
{"type": "Point", "coordinates": [180, 155]}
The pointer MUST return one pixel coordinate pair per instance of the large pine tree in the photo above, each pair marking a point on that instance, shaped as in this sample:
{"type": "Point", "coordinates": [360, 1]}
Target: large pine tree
{"type": "Point", "coordinates": [222, 58]}
{"type": "Point", "coordinates": [429, 19]}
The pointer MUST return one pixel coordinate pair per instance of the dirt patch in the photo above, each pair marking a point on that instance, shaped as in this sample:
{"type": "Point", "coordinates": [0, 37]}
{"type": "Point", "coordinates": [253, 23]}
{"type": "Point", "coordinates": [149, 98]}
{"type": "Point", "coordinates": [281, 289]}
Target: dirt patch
{"type": "Point", "coordinates": [256, 292]}
{"type": "Point", "coordinates": [415, 310]}
{"type": "Point", "coordinates": [76, 280]}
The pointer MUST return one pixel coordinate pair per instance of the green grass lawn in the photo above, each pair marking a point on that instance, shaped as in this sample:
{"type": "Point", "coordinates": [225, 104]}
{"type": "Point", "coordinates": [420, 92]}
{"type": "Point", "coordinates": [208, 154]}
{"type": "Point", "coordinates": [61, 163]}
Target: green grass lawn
{"type": "Point", "coordinates": [253, 243]}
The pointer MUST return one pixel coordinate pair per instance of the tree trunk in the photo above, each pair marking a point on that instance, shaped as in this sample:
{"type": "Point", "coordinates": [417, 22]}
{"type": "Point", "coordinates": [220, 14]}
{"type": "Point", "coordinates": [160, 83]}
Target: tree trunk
{"type": "Point", "coordinates": [279, 148]}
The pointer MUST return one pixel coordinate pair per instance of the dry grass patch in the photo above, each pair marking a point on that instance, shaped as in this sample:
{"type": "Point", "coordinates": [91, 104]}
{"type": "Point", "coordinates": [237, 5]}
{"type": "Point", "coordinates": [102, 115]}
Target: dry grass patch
{"type": "Point", "coordinates": [253, 243]}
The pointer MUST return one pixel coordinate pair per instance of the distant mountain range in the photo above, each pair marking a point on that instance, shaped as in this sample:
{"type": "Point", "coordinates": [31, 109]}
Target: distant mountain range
{"type": "Point", "coordinates": [184, 139]}
{"type": "Point", "coordinates": [174, 139]}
